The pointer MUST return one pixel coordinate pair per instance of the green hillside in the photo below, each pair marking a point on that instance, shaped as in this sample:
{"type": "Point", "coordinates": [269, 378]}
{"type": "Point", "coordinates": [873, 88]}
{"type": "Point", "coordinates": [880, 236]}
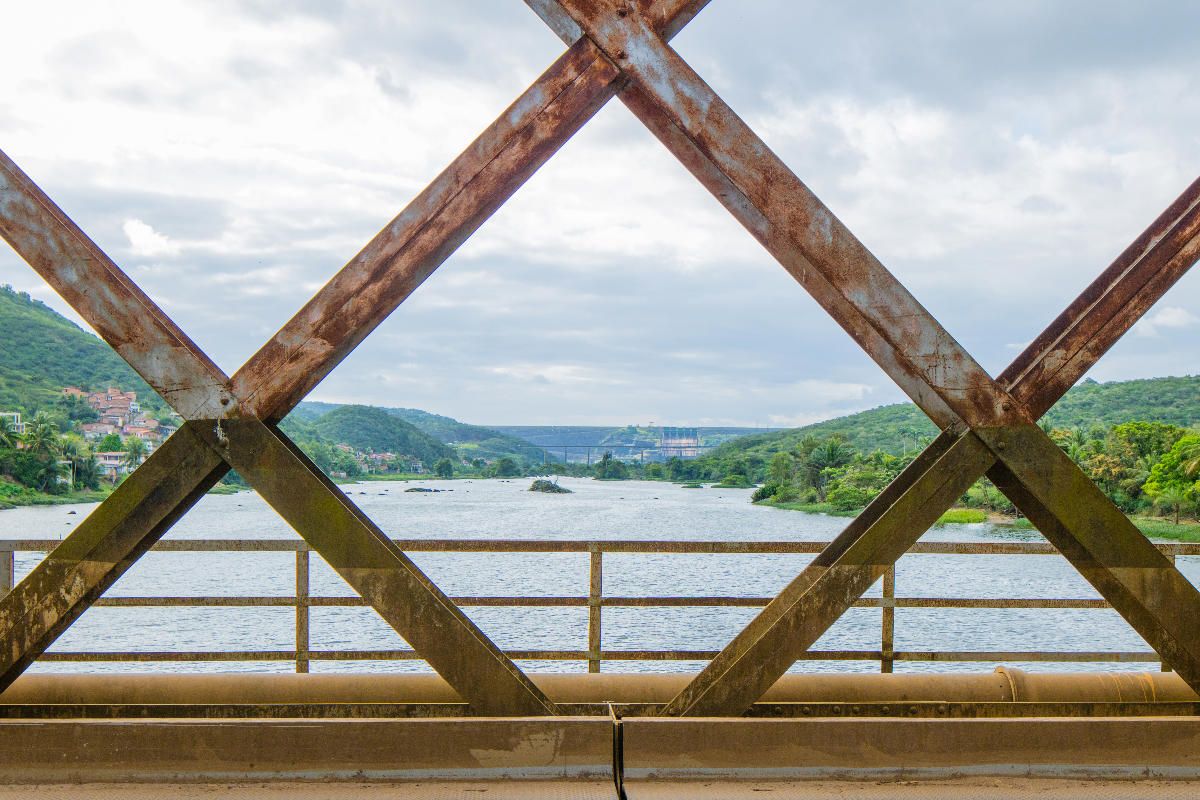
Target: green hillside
{"type": "Point", "coordinates": [42, 351]}
{"type": "Point", "coordinates": [471, 441]}
{"type": "Point", "coordinates": [901, 428]}
{"type": "Point", "coordinates": [1172, 401]}
{"type": "Point", "coordinates": [368, 428]}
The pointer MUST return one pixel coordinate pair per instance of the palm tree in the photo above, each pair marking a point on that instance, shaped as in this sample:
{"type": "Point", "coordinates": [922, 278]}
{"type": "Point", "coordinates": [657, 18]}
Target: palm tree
{"type": "Point", "coordinates": [87, 473]}
{"type": "Point", "coordinates": [1172, 497]}
{"type": "Point", "coordinates": [135, 453]}
{"type": "Point", "coordinates": [73, 448]}
{"type": "Point", "coordinates": [42, 440]}
{"type": "Point", "coordinates": [48, 474]}
{"type": "Point", "coordinates": [830, 454]}
{"type": "Point", "coordinates": [1190, 459]}
{"type": "Point", "coordinates": [8, 433]}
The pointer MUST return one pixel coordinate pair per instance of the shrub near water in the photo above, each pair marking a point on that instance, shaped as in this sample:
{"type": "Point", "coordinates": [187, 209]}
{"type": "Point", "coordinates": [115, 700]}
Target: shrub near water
{"type": "Point", "coordinates": [735, 482]}
{"type": "Point", "coordinates": [960, 516]}
{"type": "Point", "coordinates": [542, 485]}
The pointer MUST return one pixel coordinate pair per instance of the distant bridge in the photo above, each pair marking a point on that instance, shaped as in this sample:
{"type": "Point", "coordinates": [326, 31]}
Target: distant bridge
{"type": "Point", "coordinates": [583, 452]}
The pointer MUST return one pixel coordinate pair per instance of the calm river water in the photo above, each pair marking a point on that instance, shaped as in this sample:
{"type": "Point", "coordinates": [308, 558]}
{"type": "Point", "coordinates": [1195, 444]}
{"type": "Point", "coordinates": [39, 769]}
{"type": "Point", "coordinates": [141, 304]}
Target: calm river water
{"type": "Point", "coordinates": [597, 510]}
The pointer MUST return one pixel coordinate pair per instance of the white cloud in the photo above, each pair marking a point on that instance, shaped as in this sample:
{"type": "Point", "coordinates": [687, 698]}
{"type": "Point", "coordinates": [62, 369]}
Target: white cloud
{"type": "Point", "coordinates": [240, 153]}
{"type": "Point", "coordinates": [145, 241]}
{"type": "Point", "coordinates": [1169, 317]}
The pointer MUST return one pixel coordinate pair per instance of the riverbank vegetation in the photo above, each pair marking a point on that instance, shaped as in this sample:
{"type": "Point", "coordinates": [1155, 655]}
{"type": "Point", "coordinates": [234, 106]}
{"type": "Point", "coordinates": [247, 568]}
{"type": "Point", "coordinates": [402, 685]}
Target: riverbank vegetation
{"type": "Point", "coordinates": [40, 466]}
{"type": "Point", "coordinates": [1132, 438]}
{"type": "Point", "coordinates": [1145, 468]}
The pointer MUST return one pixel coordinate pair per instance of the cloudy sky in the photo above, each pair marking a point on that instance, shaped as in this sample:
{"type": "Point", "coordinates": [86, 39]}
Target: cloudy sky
{"type": "Point", "coordinates": [232, 156]}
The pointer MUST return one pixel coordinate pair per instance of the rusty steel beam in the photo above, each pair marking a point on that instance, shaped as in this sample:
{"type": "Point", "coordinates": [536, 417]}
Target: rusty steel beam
{"type": "Point", "coordinates": [711, 177]}
{"type": "Point", "coordinates": [112, 304]}
{"type": "Point", "coordinates": [327, 328]}
{"type": "Point", "coordinates": [1100, 541]}
{"type": "Point", "coordinates": [428, 230]}
{"type": "Point", "coordinates": [1105, 310]}
{"type": "Point", "coordinates": [623, 44]}
{"type": "Point", "coordinates": [799, 230]}
{"type": "Point", "coordinates": [1085, 330]}
{"type": "Point", "coordinates": [104, 545]}
{"type": "Point", "coordinates": [766, 648]}
{"type": "Point", "coordinates": [804, 227]}
{"type": "Point", "coordinates": [125, 525]}
{"type": "Point", "coordinates": [68, 581]}
{"type": "Point", "coordinates": [387, 579]}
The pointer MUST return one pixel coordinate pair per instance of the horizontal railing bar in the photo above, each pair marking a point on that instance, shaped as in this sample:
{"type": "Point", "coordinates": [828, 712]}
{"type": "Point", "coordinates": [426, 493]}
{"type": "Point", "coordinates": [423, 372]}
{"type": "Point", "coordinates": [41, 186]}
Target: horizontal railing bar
{"type": "Point", "coordinates": [213, 601]}
{"type": "Point", "coordinates": [866, 602]}
{"type": "Point", "coordinates": [1028, 655]}
{"type": "Point", "coordinates": [615, 602]}
{"type": "Point", "coordinates": [607, 655]}
{"type": "Point", "coordinates": [336, 602]}
{"type": "Point", "coordinates": [474, 602]}
{"type": "Point", "coordinates": [544, 546]}
{"type": "Point", "coordinates": [987, 602]}
{"type": "Point", "coordinates": [628, 546]}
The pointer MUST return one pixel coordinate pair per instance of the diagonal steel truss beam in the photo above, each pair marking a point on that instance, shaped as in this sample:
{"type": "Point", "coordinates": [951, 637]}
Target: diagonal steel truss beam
{"type": "Point", "coordinates": [986, 424]}
{"type": "Point", "coordinates": [392, 265]}
{"type": "Point", "coordinates": [128, 523]}
{"type": "Point", "coordinates": [1064, 352]}
{"type": "Point", "coordinates": [911, 346]}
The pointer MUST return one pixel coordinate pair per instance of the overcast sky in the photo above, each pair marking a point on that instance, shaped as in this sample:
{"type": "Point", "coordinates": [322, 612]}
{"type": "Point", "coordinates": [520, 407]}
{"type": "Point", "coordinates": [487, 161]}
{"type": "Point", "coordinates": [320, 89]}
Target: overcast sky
{"type": "Point", "coordinates": [232, 156]}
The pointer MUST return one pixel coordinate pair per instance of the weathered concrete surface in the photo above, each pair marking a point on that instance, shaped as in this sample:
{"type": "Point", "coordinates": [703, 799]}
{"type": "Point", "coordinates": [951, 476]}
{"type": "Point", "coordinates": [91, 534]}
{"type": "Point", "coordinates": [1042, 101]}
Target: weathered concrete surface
{"type": "Point", "coordinates": [417, 790]}
{"type": "Point", "coordinates": [973, 788]}
{"type": "Point", "coordinates": [895, 749]}
{"type": "Point", "coordinates": [74, 751]}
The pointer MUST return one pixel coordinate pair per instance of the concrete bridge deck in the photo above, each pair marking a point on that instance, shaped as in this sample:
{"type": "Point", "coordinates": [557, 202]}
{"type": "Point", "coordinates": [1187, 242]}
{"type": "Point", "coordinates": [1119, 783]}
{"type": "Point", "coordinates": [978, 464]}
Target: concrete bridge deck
{"type": "Point", "coordinates": [974, 788]}
{"type": "Point", "coordinates": [923, 735]}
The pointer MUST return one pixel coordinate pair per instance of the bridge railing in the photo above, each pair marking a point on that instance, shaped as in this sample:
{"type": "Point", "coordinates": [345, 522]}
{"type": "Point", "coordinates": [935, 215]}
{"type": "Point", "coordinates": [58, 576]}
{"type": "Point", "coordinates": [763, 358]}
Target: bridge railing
{"type": "Point", "coordinates": [593, 599]}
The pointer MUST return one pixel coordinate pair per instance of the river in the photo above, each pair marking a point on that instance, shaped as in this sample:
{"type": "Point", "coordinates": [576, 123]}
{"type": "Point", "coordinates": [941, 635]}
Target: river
{"type": "Point", "coordinates": [495, 509]}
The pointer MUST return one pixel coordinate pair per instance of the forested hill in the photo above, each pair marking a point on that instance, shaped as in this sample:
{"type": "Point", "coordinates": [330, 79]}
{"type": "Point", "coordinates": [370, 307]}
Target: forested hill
{"type": "Point", "coordinates": [471, 441]}
{"type": "Point", "coordinates": [898, 429]}
{"type": "Point", "coordinates": [42, 351]}
{"type": "Point", "coordinates": [368, 428]}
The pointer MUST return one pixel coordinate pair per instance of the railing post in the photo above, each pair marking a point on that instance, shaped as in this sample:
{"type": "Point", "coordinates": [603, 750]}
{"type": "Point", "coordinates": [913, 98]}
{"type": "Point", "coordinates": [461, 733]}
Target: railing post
{"type": "Point", "coordinates": [1170, 554]}
{"type": "Point", "coordinates": [889, 620]}
{"type": "Point", "coordinates": [595, 592]}
{"type": "Point", "coordinates": [8, 571]}
{"type": "Point", "coordinates": [302, 610]}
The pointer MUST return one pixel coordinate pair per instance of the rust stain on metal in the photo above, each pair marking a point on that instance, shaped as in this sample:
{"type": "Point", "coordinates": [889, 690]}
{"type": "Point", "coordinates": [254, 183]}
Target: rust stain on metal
{"type": "Point", "coordinates": [122, 314]}
{"type": "Point", "coordinates": [387, 579]}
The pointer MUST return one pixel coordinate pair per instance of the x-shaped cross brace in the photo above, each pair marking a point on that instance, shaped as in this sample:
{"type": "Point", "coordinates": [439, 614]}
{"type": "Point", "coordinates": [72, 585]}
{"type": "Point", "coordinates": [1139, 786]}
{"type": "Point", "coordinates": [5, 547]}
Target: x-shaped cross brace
{"type": "Point", "coordinates": [984, 422]}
